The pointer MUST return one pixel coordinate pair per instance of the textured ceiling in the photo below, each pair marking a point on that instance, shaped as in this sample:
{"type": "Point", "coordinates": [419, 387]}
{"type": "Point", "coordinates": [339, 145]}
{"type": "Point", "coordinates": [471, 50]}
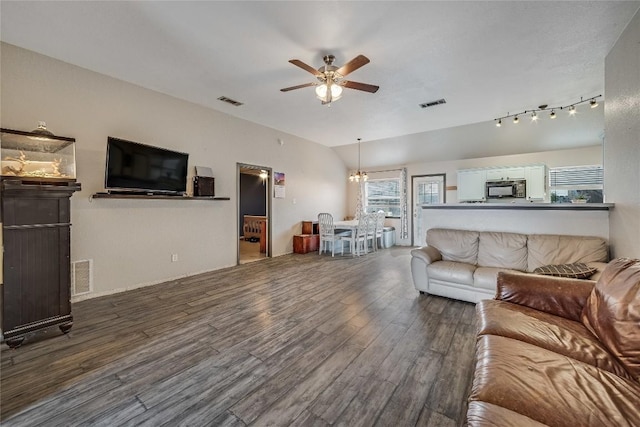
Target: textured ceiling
{"type": "Point", "coordinates": [484, 58]}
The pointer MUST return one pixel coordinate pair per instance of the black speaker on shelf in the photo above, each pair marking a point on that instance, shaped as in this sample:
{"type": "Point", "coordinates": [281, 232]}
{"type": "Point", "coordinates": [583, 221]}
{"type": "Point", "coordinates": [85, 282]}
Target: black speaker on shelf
{"type": "Point", "coordinates": [203, 186]}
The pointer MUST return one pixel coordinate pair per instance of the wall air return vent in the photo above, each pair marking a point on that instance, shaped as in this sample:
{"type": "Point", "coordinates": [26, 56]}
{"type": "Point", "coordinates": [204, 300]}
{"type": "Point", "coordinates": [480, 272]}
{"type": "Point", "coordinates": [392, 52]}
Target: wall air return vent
{"type": "Point", "coordinates": [81, 277]}
{"type": "Point", "coordinates": [230, 101]}
{"type": "Point", "coordinates": [433, 103]}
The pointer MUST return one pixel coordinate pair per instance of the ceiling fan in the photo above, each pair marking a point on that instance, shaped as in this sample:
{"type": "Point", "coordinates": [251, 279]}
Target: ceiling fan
{"type": "Point", "coordinates": [331, 78]}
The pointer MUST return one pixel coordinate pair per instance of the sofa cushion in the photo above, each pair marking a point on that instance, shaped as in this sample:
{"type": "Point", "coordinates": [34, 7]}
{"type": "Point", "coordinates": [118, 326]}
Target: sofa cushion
{"type": "Point", "coordinates": [449, 271]}
{"type": "Point", "coordinates": [546, 249]}
{"type": "Point", "coordinates": [563, 336]}
{"type": "Point", "coordinates": [505, 250]}
{"type": "Point", "coordinates": [486, 277]}
{"type": "Point", "coordinates": [612, 312]}
{"type": "Point", "coordinates": [490, 415]}
{"type": "Point", "coordinates": [551, 388]}
{"type": "Point", "coordinates": [578, 270]}
{"type": "Point", "coordinates": [455, 245]}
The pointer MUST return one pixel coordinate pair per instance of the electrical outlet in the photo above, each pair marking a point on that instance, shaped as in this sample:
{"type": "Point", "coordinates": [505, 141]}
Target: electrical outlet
{"type": "Point", "coordinates": [174, 257]}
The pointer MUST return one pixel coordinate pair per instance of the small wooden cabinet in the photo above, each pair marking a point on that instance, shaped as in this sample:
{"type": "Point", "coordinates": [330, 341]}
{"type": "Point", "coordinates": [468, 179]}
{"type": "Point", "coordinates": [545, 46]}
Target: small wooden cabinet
{"type": "Point", "coordinates": [309, 240]}
{"type": "Point", "coordinates": [36, 224]}
{"type": "Point", "coordinates": [305, 243]}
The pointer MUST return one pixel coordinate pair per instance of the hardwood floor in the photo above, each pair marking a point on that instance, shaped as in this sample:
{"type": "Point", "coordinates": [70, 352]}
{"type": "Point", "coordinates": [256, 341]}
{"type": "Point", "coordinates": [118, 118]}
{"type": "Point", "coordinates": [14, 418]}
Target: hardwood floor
{"type": "Point", "coordinates": [301, 340]}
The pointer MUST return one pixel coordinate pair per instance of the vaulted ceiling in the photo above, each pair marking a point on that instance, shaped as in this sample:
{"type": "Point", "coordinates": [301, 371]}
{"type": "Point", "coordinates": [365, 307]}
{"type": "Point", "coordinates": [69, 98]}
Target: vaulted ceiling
{"type": "Point", "coordinates": [485, 58]}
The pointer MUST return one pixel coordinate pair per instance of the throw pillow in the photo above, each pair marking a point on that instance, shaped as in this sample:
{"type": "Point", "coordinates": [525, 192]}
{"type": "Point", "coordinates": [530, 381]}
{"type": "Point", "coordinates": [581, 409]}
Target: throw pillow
{"type": "Point", "coordinates": [576, 270]}
{"type": "Point", "coordinates": [612, 312]}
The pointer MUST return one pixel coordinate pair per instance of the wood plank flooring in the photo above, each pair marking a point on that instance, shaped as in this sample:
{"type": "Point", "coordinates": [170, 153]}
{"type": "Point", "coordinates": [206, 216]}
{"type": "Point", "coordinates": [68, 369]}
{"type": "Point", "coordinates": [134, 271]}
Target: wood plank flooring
{"type": "Point", "coordinates": [300, 340]}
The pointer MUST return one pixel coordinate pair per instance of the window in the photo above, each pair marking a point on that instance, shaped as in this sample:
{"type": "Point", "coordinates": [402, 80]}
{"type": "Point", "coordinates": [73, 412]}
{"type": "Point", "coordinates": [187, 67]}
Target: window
{"type": "Point", "coordinates": [383, 194]}
{"type": "Point", "coordinates": [576, 184]}
{"type": "Point", "coordinates": [428, 192]}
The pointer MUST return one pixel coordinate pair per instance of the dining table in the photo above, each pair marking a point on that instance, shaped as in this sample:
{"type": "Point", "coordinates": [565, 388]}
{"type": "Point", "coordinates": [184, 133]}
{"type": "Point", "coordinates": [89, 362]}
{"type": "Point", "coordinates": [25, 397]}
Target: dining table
{"type": "Point", "coordinates": [350, 225]}
{"type": "Point", "coordinates": [347, 226]}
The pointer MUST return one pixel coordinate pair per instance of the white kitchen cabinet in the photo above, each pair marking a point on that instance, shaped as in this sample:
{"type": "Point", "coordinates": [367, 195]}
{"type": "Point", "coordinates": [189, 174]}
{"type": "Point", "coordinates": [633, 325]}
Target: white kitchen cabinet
{"type": "Point", "coordinates": [536, 177]}
{"type": "Point", "coordinates": [471, 185]}
{"type": "Point", "coordinates": [505, 174]}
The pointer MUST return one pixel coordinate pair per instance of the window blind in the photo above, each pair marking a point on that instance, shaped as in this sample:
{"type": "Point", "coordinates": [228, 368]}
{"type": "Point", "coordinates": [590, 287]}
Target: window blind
{"type": "Point", "coordinates": [383, 194]}
{"type": "Point", "coordinates": [576, 177]}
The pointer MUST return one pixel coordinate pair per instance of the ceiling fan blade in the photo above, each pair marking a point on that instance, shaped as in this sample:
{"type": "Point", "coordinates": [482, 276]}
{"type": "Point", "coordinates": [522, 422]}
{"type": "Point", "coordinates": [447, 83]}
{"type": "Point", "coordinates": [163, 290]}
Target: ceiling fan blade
{"type": "Point", "coordinates": [287, 89]}
{"type": "Point", "coordinates": [360, 86]}
{"type": "Point", "coordinates": [353, 65]}
{"type": "Point", "coordinates": [306, 67]}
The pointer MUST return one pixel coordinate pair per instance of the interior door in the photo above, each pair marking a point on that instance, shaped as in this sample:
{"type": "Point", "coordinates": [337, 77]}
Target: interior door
{"type": "Point", "coordinates": [254, 212]}
{"type": "Point", "coordinates": [426, 189]}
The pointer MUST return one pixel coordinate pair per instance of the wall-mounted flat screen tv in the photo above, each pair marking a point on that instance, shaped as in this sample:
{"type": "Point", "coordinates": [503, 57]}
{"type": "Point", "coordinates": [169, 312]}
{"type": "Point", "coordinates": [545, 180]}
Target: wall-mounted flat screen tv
{"type": "Point", "coordinates": [135, 167]}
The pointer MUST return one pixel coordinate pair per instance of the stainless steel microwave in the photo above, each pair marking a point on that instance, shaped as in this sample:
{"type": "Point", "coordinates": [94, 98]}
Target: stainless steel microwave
{"type": "Point", "coordinates": [506, 189]}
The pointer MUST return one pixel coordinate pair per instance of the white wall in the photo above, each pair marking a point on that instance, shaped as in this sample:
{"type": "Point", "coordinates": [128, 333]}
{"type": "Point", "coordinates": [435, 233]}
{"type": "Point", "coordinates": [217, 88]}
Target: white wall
{"type": "Point", "coordinates": [591, 155]}
{"type": "Point", "coordinates": [622, 141]}
{"type": "Point", "coordinates": [131, 241]}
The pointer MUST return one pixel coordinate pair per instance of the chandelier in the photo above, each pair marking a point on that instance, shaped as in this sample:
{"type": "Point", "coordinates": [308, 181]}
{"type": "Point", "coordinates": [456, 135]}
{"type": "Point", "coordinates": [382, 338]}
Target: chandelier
{"type": "Point", "coordinates": [358, 176]}
{"type": "Point", "coordinates": [543, 108]}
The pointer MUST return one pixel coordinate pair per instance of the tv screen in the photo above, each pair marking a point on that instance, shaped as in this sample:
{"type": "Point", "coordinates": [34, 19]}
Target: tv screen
{"type": "Point", "coordinates": [132, 166]}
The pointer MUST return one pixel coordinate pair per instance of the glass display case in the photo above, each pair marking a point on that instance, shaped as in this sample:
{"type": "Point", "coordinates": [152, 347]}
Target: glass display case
{"type": "Point", "coordinates": [38, 156]}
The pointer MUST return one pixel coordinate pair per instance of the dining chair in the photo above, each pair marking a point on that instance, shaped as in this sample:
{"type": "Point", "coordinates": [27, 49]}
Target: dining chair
{"type": "Point", "coordinates": [380, 217]}
{"type": "Point", "coordinates": [371, 231]}
{"type": "Point", "coordinates": [358, 238]}
{"type": "Point", "coordinates": [328, 234]}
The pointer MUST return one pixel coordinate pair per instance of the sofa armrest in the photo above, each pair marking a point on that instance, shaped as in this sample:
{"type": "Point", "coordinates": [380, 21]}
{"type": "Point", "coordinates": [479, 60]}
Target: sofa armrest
{"type": "Point", "coordinates": [428, 254]}
{"type": "Point", "coordinates": [555, 295]}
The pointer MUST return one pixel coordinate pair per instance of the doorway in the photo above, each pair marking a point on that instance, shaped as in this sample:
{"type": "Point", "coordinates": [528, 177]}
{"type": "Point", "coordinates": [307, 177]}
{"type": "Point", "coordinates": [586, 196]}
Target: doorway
{"type": "Point", "coordinates": [427, 189]}
{"type": "Point", "coordinates": [254, 212]}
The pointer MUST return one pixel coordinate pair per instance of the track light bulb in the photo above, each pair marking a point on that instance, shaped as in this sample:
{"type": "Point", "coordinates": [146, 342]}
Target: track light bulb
{"type": "Point", "coordinates": [553, 114]}
{"type": "Point", "coordinates": [534, 116]}
{"type": "Point", "coordinates": [516, 119]}
{"type": "Point", "coordinates": [499, 123]}
{"type": "Point", "coordinates": [593, 103]}
{"type": "Point", "coordinates": [572, 110]}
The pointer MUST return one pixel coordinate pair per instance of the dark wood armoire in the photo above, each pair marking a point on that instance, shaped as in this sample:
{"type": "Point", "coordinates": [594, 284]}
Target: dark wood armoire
{"type": "Point", "coordinates": [36, 228]}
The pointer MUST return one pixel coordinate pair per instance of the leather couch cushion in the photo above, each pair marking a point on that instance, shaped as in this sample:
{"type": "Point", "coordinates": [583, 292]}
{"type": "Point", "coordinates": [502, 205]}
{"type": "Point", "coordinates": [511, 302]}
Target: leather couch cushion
{"type": "Point", "coordinates": [486, 277]}
{"type": "Point", "coordinates": [449, 271]}
{"type": "Point", "coordinates": [505, 250]}
{"type": "Point", "coordinates": [490, 415]}
{"type": "Point", "coordinates": [550, 388]}
{"type": "Point", "coordinates": [612, 312]}
{"type": "Point", "coordinates": [455, 245]}
{"type": "Point", "coordinates": [560, 335]}
{"type": "Point", "coordinates": [546, 249]}
{"type": "Point", "coordinates": [600, 266]}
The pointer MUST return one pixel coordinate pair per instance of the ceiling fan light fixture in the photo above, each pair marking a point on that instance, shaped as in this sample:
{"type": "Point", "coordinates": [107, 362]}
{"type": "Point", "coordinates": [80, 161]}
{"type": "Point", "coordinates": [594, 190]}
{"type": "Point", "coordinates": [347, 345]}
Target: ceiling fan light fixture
{"type": "Point", "coordinates": [322, 89]}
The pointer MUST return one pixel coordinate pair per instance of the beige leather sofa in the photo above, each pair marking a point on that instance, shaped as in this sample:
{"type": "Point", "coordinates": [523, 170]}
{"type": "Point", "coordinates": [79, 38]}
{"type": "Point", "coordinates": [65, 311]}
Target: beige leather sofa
{"type": "Point", "coordinates": [464, 264]}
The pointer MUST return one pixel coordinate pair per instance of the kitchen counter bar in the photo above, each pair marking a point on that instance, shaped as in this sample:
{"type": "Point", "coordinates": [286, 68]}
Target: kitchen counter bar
{"type": "Point", "coordinates": [525, 206]}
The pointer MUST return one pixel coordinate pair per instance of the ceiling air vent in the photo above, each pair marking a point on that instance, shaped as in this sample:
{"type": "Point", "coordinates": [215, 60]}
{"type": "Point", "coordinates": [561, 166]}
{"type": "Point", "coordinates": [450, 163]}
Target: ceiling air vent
{"type": "Point", "coordinates": [433, 103]}
{"type": "Point", "coordinates": [230, 101]}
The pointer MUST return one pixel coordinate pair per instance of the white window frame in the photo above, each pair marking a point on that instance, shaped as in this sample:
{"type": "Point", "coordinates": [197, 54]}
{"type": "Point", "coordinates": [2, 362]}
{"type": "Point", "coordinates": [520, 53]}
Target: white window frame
{"type": "Point", "coordinates": [575, 180]}
{"type": "Point", "coordinates": [379, 206]}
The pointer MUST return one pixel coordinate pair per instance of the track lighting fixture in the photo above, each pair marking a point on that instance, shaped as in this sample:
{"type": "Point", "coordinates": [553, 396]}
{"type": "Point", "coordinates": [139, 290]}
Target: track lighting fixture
{"type": "Point", "coordinates": [534, 116]}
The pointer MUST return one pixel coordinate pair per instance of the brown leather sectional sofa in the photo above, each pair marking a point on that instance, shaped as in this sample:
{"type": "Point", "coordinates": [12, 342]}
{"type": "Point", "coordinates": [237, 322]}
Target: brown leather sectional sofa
{"type": "Point", "coordinates": [559, 352]}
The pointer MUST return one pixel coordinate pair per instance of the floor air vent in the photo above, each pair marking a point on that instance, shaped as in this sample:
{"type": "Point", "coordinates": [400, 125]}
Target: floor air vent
{"type": "Point", "coordinates": [81, 277]}
{"type": "Point", "coordinates": [433, 103]}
